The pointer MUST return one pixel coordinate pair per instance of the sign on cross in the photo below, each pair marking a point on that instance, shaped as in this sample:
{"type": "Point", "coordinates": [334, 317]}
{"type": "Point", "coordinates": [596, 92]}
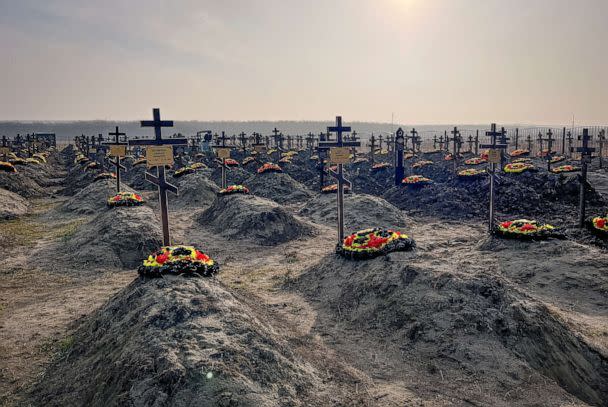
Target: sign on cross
{"type": "Point", "coordinates": [117, 150]}
{"type": "Point", "coordinates": [339, 175]}
{"type": "Point", "coordinates": [163, 186]}
{"type": "Point", "coordinates": [493, 146]}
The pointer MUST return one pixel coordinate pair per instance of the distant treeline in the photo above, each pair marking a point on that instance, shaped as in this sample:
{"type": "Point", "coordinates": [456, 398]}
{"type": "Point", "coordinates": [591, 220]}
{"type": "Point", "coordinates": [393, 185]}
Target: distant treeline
{"type": "Point", "coordinates": [66, 131]}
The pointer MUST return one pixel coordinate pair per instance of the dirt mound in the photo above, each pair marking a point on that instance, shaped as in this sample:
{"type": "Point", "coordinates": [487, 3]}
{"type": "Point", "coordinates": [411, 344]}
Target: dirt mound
{"type": "Point", "coordinates": [178, 342]}
{"type": "Point", "coordinates": [234, 176]}
{"type": "Point", "coordinates": [195, 190]}
{"type": "Point", "coordinates": [21, 184]}
{"type": "Point", "coordinates": [242, 216]}
{"type": "Point", "coordinates": [76, 180]}
{"type": "Point", "coordinates": [361, 211]}
{"type": "Point", "coordinates": [119, 237]}
{"type": "Point", "coordinates": [92, 198]}
{"type": "Point", "coordinates": [135, 177]}
{"type": "Point", "coordinates": [279, 187]}
{"type": "Point", "coordinates": [12, 205]}
{"type": "Point", "coordinates": [451, 323]}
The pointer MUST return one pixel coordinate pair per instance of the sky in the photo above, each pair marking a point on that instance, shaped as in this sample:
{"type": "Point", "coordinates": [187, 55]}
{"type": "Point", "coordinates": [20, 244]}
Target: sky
{"type": "Point", "coordinates": [417, 61]}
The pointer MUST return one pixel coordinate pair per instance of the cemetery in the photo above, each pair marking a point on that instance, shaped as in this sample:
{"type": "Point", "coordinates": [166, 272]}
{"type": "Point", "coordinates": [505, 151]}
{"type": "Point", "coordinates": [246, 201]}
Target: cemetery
{"type": "Point", "coordinates": [378, 203]}
{"type": "Point", "coordinates": [247, 276]}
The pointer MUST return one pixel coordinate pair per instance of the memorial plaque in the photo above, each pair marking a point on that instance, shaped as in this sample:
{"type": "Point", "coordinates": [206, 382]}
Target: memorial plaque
{"type": "Point", "coordinates": [159, 156]}
{"type": "Point", "coordinates": [494, 156]}
{"type": "Point", "coordinates": [4, 150]}
{"type": "Point", "coordinates": [223, 153]}
{"type": "Point", "coordinates": [118, 150]}
{"type": "Point", "coordinates": [339, 155]}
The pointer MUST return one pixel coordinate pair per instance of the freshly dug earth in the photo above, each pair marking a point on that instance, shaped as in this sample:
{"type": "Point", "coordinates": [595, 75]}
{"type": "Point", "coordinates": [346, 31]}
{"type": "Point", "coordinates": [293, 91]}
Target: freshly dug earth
{"type": "Point", "coordinates": [439, 322]}
{"type": "Point", "coordinates": [77, 178]}
{"type": "Point", "coordinates": [92, 198]}
{"type": "Point", "coordinates": [195, 190]}
{"type": "Point", "coordinates": [361, 211]}
{"type": "Point", "coordinates": [119, 237]}
{"type": "Point", "coordinates": [12, 205]}
{"type": "Point", "coordinates": [135, 177]}
{"type": "Point", "coordinates": [178, 342]}
{"type": "Point", "coordinates": [21, 184]}
{"type": "Point", "coordinates": [240, 216]}
{"type": "Point", "coordinates": [234, 176]}
{"type": "Point", "coordinates": [279, 187]}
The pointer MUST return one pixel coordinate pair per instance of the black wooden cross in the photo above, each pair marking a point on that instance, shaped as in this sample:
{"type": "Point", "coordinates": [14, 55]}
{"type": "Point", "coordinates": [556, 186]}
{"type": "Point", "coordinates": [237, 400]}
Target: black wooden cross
{"type": "Point", "coordinates": [586, 156]}
{"type": "Point", "coordinates": [243, 140]}
{"type": "Point", "coordinates": [160, 181]}
{"type": "Point", "coordinates": [517, 138]}
{"type": "Point", "coordinates": [117, 142]}
{"type": "Point", "coordinates": [399, 147]}
{"type": "Point", "coordinates": [5, 148]}
{"type": "Point", "coordinates": [413, 133]}
{"type": "Point", "coordinates": [339, 175]}
{"type": "Point", "coordinates": [494, 145]}
{"type": "Point", "coordinates": [470, 141]}
{"type": "Point", "coordinates": [503, 140]}
{"type": "Point", "coordinates": [100, 152]}
{"type": "Point", "coordinates": [549, 141]}
{"type": "Point", "coordinates": [563, 141]}
{"type": "Point", "coordinates": [372, 149]}
{"type": "Point", "coordinates": [569, 136]}
{"type": "Point", "coordinates": [455, 139]}
{"type": "Point", "coordinates": [540, 142]}
{"type": "Point", "coordinates": [289, 140]}
{"type": "Point", "coordinates": [434, 142]}
{"type": "Point", "coordinates": [601, 140]}
{"type": "Point", "coordinates": [278, 139]}
{"type": "Point", "coordinates": [310, 142]}
{"type": "Point", "coordinates": [477, 142]}
{"type": "Point", "coordinates": [441, 142]}
{"type": "Point", "coordinates": [222, 140]}
{"type": "Point", "coordinates": [380, 142]}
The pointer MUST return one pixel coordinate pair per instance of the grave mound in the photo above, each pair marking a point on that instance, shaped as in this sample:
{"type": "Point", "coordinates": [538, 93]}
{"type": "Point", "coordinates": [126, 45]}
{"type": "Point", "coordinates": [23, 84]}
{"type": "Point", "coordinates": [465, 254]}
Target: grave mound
{"type": "Point", "coordinates": [135, 177]}
{"type": "Point", "coordinates": [119, 237]}
{"type": "Point", "coordinates": [234, 175]}
{"type": "Point", "coordinates": [21, 184]}
{"type": "Point", "coordinates": [360, 211]}
{"type": "Point", "coordinates": [93, 198]}
{"type": "Point", "coordinates": [241, 216]}
{"type": "Point", "coordinates": [452, 323]}
{"type": "Point", "coordinates": [178, 341]}
{"type": "Point", "coordinates": [279, 187]}
{"type": "Point", "coordinates": [12, 205]}
{"type": "Point", "coordinates": [195, 190]}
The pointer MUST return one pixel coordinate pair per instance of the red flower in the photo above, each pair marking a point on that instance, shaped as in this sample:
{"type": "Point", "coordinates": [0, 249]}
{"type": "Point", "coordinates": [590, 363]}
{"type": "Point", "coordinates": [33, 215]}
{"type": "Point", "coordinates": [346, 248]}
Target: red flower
{"type": "Point", "coordinates": [527, 227]}
{"type": "Point", "coordinates": [162, 258]}
{"type": "Point", "coordinates": [201, 256]}
{"type": "Point", "coordinates": [376, 241]}
{"type": "Point", "coordinates": [600, 223]}
{"type": "Point", "coordinates": [506, 224]}
{"type": "Point", "coordinates": [138, 197]}
{"type": "Point", "coordinates": [349, 240]}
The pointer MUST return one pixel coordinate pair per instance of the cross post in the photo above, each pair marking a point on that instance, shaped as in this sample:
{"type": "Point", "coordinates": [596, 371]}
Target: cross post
{"type": "Point", "coordinates": [117, 142]}
{"type": "Point", "coordinates": [399, 147]}
{"type": "Point", "coordinates": [586, 156]}
{"type": "Point", "coordinates": [339, 175]}
{"type": "Point", "coordinates": [494, 145]}
{"type": "Point", "coordinates": [160, 181]}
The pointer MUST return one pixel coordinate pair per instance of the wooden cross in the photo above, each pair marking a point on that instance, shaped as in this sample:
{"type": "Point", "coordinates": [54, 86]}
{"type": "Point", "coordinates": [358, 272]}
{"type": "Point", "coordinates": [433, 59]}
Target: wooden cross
{"type": "Point", "coordinates": [399, 147]}
{"type": "Point", "coordinates": [470, 141]}
{"type": "Point", "coordinates": [455, 140]}
{"type": "Point", "coordinates": [529, 141]}
{"type": "Point", "coordinates": [243, 140]}
{"type": "Point", "coordinates": [601, 139]}
{"type": "Point", "coordinates": [586, 156]}
{"type": "Point", "coordinates": [380, 142]}
{"type": "Point", "coordinates": [117, 142]}
{"type": "Point", "coordinates": [516, 138]}
{"type": "Point", "coordinates": [569, 136]}
{"type": "Point", "coordinates": [354, 137]}
{"type": "Point", "coordinates": [434, 142]}
{"type": "Point", "coordinates": [549, 141]}
{"type": "Point", "coordinates": [100, 152]}
{"type": "Point", "coordinates": [310, 142]}
{"type": "Point", "coordinates": [278, 138]}
{"type": "Point", "coordinates": [413, 133]}
{"type": "Point", "coordinates": [477, 142]}
{"type": "Point", "coordinates": [493, 146]}
{"type": "Point", "coordinates": [5, 148]}
{"type": "Point", "coordinates": [372, 148]}
{"type": "Point", "coordinates": [563, 140]}
{"type": "Point", "coordinates": [339, 175]}
{"type": "Point", "coordinates": [222, 139]}
{"type": "Point", "coordinates": [441, 142]}
{"type": "Point", "coordinates": [289, 139]}
{"type": "Point", "coordinates": [160, 181]}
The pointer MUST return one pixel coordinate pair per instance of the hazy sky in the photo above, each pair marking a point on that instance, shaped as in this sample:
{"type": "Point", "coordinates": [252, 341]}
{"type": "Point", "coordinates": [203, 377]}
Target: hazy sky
{"type": "Point", "coordinates": [428, 61]}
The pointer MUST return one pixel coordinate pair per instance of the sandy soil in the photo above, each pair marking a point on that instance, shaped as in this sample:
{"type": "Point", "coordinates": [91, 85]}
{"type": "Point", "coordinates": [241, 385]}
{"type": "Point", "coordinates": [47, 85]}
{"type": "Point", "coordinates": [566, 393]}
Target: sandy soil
{"type": "Point", "coordinates": [421, 330]}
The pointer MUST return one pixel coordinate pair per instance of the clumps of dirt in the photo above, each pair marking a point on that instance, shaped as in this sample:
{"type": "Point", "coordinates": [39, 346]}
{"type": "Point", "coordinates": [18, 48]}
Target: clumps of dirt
{"type": "Point", "coordinates": [470, 326]}
{"type": "Point", "coordinates": [439, 200]}
{"type": "Point", "coordinates": [361, 211]}
{"type": "Point", "coordinates": [92, 198]}
{"type": "Point", "coordinates": [194, 190]}
{"type": "Point", "coordinates": [77, 178]}
{"type": "Point", "coordinates": [234, 175]}
{"type": "Point", "coordinates": [135, 177]}
{"type": "Point", "coordinates": [179, 341]}
{"type": "Point", "coordinates": [121, 237]}
{"type": "Point", "coordinates": [21, 184]}
{"type": "Point", "coordinates": [240, 216]}
{"type": "Point", "coordinates": [279, 187]}
{"type": "Point", "coordinates": [12, 205]}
